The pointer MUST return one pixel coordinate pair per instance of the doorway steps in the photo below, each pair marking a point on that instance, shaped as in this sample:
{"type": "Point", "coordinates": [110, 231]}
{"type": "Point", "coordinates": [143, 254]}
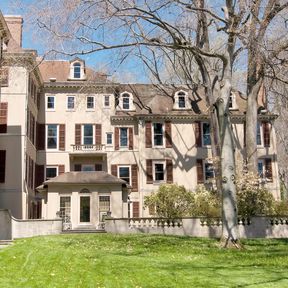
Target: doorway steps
{"type": "Point", "coordinates": [80, 230]}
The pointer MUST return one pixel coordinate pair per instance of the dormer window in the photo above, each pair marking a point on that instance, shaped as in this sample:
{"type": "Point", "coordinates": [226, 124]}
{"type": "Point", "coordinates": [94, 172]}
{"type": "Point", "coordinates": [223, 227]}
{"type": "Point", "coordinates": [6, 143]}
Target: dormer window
{"type": "Point", "coordinates": [181, 101]}
{"type": "Point", "coordinates": [126, 102]}
{"type": "Point", "coordinates": [77, 70]}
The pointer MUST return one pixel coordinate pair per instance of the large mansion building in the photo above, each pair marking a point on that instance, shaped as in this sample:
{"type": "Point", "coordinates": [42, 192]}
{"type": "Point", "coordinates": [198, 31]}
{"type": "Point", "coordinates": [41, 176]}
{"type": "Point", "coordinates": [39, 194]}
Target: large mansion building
{"type": "Point", "coordinates": [93, 146]}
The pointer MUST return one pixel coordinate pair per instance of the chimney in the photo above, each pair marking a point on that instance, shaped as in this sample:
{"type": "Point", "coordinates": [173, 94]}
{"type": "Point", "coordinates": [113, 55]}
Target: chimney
{"type": "Point", "coordinates": [15, 23]}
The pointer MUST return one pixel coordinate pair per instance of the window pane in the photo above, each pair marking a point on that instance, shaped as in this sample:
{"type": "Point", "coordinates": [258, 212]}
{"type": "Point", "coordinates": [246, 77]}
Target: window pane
{"type": "Point", "coordinates": [77, 70]}
{"type": "Point", "coordinates": [50, 102]}
{"type": "Point", "coordinates": [159, 171]}
{"type": "Point", "coordinates": [88, 168]}
{"type": "Point", "coordinates": [85, 209]}
{"type": "Point", "coordinates": [65, 206]}
{"type": "Point", "coordinates": [124, 174]}
{"type": "Point", "coordinates": [260, 169]}
{"type": "Point", "coordinates": [106, 101]}
{"type": "Point", "coordinates": [126, 103]}
{"type": "Point", "coordinates": [104, 203]}
{"type": "Point", "coordinates": [88, 134]}
{"type": "Point", "coordinates": [206, 134]}
{"type": "Point", "coordinates": [109, 138]}
{"type": "Point", "coordinates": [51, 172]}
{"type": "Point", "coordinates": [90, 102]}
{"type": "Point", "coordinates": [259, 142]}
{"type": "Point", "coordinates": [158, 134]}
{"type": "Point", "coordinates": [181, 101]}
{"type": "Point", "coordinates": [52, 136]}
{"type": "Point", "coordinates": [123, 137]}
{"type": "Point", "coordinates": [209, 171]}
{"type": "Point", "coordinates": [70, 102]}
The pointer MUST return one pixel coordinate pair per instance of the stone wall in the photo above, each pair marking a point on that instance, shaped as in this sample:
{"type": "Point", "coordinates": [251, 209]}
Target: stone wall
{"type": "Point", "coordinates": [5, 225]}
{"type": "Point", "coordinates": [256, 227]}
{"type": "Point", "coordinates": [35, 227]}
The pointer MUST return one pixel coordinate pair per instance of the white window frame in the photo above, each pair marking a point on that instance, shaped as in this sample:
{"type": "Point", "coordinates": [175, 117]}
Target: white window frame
{"type": "Point", "coordinates": [163, 135]}
{"type": "Point", "coordinates": [131, 104]}
{"type": "Point", "coordinates": [124, 166]}
{"type": "Point", "coordinates": [261, 144]}
{"type": "Point", "coordinates": [109, 144]}
{"type": "Point", "coordinates": [232, 100]}
{"type": "Point", "coordinates": [57, 136]}
{"type": "Point", "coordinates": [263, 176]}
{"type": "Point", "coordinates": [202, 134]}
{"type": "Point", "coordinates": [67, 103]}
{"type": "Point", "coordinates": [54, 103]}
{"type": "Point", "coordinates": [120, 129]}
{"type": "Point", "coordinates": [93, 134]}
{"type": "Point", "coordinates": [78, 65]}
{"type": "Point", "coordinates": [52, 167]}
{"type": "Point", "coordinates": [104, 101]}
{"type": "Point", "coordinates": [93, 97]}
{"type": "Point", "coordinates": [184, 94]}
{"type": "Point", "coordinates": [164, 171]}
{"type": "Point", "coordinates": [65, 195]}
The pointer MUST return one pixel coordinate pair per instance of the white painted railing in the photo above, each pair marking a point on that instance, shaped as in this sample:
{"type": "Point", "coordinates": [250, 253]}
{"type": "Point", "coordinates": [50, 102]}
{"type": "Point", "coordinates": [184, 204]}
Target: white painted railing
{"type": "Point", "coordinates": [88, 148]}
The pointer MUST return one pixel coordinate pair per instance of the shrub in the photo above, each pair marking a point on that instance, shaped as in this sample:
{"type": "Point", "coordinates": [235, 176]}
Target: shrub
{"type": "Point", "coordinates": [205, 203]}
{"type": "Point", "coordinates": [170, 201]}
{"type": "Point", "coordinates": [281, 208]}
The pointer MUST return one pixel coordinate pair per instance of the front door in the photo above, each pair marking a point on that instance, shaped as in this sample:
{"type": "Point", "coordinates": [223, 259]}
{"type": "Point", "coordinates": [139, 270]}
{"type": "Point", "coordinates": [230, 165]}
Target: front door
{"type": "Point", "coordinates": [84, 209]}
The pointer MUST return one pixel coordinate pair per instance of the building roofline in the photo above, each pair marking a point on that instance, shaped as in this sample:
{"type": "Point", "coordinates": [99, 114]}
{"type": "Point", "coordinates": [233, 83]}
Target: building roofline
{"type": "Point", "coordinates": [4, 28]}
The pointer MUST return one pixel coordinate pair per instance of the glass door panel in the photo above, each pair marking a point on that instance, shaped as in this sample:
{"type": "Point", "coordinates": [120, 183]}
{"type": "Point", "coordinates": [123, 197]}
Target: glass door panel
{"type": "Point", "coordinates": [85, 209]}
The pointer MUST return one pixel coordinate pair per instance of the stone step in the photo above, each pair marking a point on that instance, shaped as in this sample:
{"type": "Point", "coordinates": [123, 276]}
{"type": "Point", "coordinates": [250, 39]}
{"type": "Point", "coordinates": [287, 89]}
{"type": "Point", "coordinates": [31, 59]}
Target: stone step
{"type": "Point", "coordinates": [5, 243]}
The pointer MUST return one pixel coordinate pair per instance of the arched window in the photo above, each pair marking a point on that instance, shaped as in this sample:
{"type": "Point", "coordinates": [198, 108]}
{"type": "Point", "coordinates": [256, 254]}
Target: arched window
{"type": "Point", "coordinates": [77, 70]}
{"type": "Point", "coordinates": [181, 101]}
{"type": "Point", "coordinates": [126, 102]}
{"type": "Point", "coordinates": [85, 190]}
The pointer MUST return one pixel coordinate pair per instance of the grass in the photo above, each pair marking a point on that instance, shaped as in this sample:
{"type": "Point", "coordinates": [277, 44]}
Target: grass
{"type": "Point", "coordinates": [106, 260]}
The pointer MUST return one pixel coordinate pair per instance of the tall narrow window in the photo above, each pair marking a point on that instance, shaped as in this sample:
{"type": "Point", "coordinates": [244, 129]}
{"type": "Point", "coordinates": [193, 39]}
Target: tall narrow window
{"type": "Point", "coordinates": [206, 134]}
{"type": "Point", "coordinates": [261, 168]}
{"type": "Point", "coordinates": [70, 102]}
{"type": "Point", "coordinates": [123, 137]}
{"type": "Point", "coordinates": [259, 134]}
{"type": "Point", "coordinates": [50, 102]}
{"type": "Point", "coordinates": [124, 173]}
{"type": "Point", "coordinates": [84, 208]}
{"type": "Point", "coordinates": [77, 70]}
{"type": "Point", "coordinates": [209, 171]}
{"type": "Point", "coordinates": [52, 136]}
{"type": "Point", "coordinates": [159, 172]}
{"type": "Point", "coordinates": [158, 134]}
{"type": "Point", "coordinates": [109, 138]}
{"type": "Point", "coordinates": [106, 101]}
{"type": "Point", "coordinates": [65, 207]}
{"type": "Point", "coordinates": [88, 134]}
{"type": "Point", "coordinates": [90, 102]}
{"type": "Point", "coordinates": [104, 203]}
{"type": "Point", "coordinates": [126, 101]}
{"type": "Point", "coordinates": [181, 100]}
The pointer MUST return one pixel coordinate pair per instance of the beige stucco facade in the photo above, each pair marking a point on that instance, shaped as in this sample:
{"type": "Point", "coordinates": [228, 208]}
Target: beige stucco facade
{"type": "Point", "coordinates": [31, 111]}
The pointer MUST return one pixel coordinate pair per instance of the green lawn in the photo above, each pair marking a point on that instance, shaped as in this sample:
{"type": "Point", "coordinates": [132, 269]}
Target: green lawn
{"type": "Point", "coordinates": [105, 260]}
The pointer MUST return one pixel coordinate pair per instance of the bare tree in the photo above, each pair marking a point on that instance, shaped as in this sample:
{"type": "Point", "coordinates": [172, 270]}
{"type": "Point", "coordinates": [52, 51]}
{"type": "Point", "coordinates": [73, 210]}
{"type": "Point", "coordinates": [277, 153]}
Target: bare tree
{"type": "Point", "coordinates": [202, 42]}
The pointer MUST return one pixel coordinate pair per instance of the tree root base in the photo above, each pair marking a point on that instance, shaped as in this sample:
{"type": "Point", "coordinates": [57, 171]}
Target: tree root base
{"type": "Point", "coordinates": [230, 243]}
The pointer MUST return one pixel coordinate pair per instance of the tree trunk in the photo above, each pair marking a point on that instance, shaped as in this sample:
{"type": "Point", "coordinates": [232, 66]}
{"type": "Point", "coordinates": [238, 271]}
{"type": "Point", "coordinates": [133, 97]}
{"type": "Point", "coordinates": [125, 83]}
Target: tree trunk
{"type": "Point", "coordinates": [230, 233]}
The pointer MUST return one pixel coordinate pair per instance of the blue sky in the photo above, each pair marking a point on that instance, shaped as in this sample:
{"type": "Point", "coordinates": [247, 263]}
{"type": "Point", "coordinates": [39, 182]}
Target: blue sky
{"type": "Point", "coordinates": [129, 71]}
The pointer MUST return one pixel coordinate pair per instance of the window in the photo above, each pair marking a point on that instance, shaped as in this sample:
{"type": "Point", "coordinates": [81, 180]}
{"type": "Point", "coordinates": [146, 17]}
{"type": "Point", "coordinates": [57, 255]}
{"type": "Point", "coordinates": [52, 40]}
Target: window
{"type": "Point", "coordinates": [106, 101]}
{"type": "Point", "coordinates": [3, 165]}
{"type": "Point", "coordinates": [124, 173]}
{"type": "Point", "coordinates": [84, 208]}
{"type": "Point", "coordinates": [104, 203]}
{"type": "Point", "coordinates": [158, 134]}
{"type": "Point", "coordinates": [265, 169]}
{"type": "Point", "coordinates": [261, 169]}
{"type": "Point", "coordinates": [231, 102]}
{"type": "Point", "coordinates": [109, 137]}
{"type": "Point", "coordinates": [206, 134]}
{"type": "Point", "coordinates": [52, 136]}
{"type": "Point", "coordinates": [88, 134]}
{"type": "Point", "coordinates": [77, 70]}
{"type": "Point", "coordinates": [51, 172]}
{"type": "Point", "coordinates": [159, 172]}
{"type": "Point", "coordinates": [126, 101]}
{"type": "Point", "coordinates": [88, 168]}
{"type": "Point", "coordinates": [90, 102]}
{"type": "Point", "coordinates": [70, 102]}
{"type": "Point", "coordinates": [65, 207]}
{"type": "Point", "coordinates": [209, 171]}
{"type": "Point", "coordinates": [259, 134]}
{"type": "Point", "coordinates": [123, 137]}
{"type": "Point", "coordinates": [181, 101]}
{"type": "Point", "coordinates": [50, 102]}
